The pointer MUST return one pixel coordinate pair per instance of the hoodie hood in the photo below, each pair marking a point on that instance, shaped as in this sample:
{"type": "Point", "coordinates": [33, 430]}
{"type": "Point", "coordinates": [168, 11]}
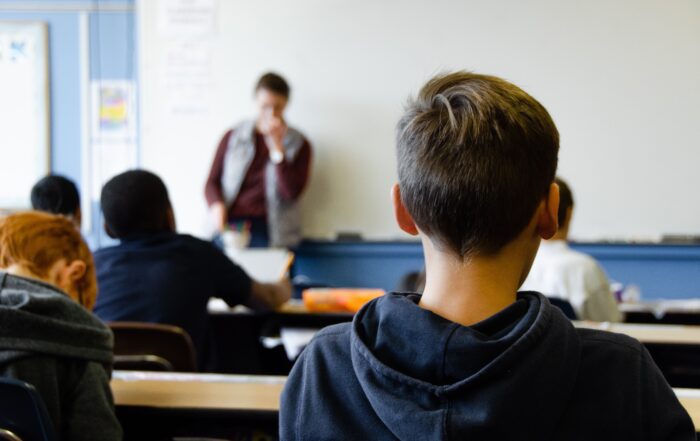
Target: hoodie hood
{"type": "Point", "coordinates": [486, 381]}
{"type": "Point", "coordinates": [36, 318]}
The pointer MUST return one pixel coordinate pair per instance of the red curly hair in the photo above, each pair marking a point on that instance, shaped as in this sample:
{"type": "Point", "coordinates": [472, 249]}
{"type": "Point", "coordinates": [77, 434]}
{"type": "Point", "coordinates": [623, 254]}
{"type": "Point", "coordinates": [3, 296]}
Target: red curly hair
{"type": "Point", "coordinates": [36, 241]}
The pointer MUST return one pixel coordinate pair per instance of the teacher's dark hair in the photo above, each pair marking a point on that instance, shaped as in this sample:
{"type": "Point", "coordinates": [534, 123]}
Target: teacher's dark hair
{"type": "Point", "coordinates": [274, 83]}
{"type": "Point", "coordinates": [135, 202]}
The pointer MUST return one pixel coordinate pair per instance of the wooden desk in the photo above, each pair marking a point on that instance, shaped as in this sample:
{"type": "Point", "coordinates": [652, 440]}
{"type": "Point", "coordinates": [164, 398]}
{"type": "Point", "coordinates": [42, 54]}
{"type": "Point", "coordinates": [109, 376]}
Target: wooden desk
{"type": "Point", "coordinates": [649, 333]}
{"type": "Point", "coordinates": [680, 312]}
{"type": "Point", "coordinates": [690, 399]}
{"type": "Point", "coordinates": [232, 396]}
{"type": "Point", "coordinates": [197, 391]}
{"type": "Point", "coordinates": [237, 333]}
{"type": "Point", "coordinates": [157, 405]}
{"type": "Point", "coordinates": [674, 348]}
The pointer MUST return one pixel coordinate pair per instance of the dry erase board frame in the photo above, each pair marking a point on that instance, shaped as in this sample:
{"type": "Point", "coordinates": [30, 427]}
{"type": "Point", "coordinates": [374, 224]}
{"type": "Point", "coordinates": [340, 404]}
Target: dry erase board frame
{"type": "Point", "coordinates": [24, 110]}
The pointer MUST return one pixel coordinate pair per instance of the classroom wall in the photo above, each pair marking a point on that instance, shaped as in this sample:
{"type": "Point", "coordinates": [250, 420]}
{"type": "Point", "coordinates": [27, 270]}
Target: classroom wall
{"type": "Point", "coordinates": [89, 41]}
{"type": "Point", "coordinates": [657, 271]}
{"type": "Point", "coordinates": [621, 80]}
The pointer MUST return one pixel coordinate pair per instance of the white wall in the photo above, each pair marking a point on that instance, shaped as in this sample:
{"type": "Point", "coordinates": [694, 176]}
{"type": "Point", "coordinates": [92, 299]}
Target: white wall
{"type": "Point", "coordinates": [620, 78]}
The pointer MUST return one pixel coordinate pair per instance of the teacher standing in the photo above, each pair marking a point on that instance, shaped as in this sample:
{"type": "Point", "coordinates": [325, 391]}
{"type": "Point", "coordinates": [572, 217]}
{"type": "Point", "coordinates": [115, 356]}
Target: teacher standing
{"type": "Point", "coordinates": [260, 169]}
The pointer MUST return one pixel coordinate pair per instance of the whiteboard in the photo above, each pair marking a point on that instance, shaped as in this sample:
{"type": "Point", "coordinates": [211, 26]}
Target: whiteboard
{"type": "Point", "coordinates": [24, 110]}
{"type": "Point", "coordinates": [620, 78]}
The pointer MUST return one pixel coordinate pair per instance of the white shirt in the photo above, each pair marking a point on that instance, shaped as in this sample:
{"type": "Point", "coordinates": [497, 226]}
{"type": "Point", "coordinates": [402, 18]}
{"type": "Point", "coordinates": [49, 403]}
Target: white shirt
{"type": "Point", "coordinates": [559, 271]}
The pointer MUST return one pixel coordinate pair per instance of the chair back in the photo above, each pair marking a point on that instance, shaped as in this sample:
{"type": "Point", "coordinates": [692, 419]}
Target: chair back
{"type": "Point", "coordinates": [152, 346]}
{"type": "Point", "coordinates": [23, 414]}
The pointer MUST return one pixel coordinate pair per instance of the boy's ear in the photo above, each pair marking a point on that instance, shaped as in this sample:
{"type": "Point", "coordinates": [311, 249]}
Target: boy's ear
{"type": "Point", "coordinates": [548, 220]}
{"type": "Point", "coordinates": [403, 217]}
{"type": "Point", "coordinates": [109, 231]}
{"type": "Point", "coordinates": [76, 270]}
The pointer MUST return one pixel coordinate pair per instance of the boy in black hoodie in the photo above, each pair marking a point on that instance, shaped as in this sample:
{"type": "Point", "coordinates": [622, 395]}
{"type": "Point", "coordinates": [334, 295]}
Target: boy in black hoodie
{"type": "Point", "coordinates": [473, 358]}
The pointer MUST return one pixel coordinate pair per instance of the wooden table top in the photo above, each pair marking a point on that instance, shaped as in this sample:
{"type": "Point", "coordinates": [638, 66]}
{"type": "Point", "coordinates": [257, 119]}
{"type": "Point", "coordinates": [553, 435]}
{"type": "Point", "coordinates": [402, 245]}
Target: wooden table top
{"type": "Point", "coordinates": [648, 333]}
{"type": "Point", "coordinates": [197, 391]}
{"type": "Point", "coordinates": [242, 392]}
{"type": "Point", "coordinates": [690, 399]}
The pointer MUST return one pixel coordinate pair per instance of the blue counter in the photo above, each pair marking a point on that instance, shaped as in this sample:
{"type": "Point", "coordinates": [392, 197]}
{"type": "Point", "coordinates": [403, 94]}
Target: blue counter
{"type": "Point", "coordinates": [660, 271]}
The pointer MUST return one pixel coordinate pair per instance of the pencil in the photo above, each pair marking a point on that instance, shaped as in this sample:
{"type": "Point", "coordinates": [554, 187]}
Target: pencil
{"type": "Point", "coordinates": [287, 264]}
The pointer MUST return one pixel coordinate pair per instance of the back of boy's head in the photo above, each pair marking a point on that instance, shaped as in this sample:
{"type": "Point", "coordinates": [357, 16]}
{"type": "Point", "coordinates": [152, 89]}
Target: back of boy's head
{"type": "Point", "coordinates": [476, 155]}
{"type": "Point", "coordinates": [135, 202]}
{"type": "Point", "coordinates": [566, 201]}
{"type": "Point", "coordinates": [55, 194]}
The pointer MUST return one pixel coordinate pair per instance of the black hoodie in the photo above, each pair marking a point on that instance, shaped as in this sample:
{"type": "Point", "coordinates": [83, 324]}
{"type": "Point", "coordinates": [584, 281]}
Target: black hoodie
{"type": "Point", "coordinates": [402, 372]}
{"type": "Point", "coordinates": [53, 343]}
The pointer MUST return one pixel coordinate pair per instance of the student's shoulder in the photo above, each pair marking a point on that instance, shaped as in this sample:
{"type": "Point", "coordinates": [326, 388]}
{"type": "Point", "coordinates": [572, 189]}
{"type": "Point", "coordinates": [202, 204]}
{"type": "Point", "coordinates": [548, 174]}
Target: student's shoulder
{"type": "Point", "coordinates": [609, 348]}
{"type": "Point", "coordinates": [108, 251]}
{"type": "Point", "coordinates": [334, 331]}
{"type": "Point", "coordinates": [334, 339]}
{"type": "Point", "coordinates": [333, 334]}
{"type": "Point", "coordinates": [197, 244]}
{"type": "Point", "coordinates": [188, 238]}
{"type": "Point", "coordinates": [596, 337]}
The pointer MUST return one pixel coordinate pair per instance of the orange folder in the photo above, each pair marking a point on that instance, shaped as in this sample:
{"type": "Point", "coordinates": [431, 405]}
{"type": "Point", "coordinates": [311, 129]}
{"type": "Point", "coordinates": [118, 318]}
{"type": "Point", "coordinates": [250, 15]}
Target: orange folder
{"type": "Point", "coordinates": [338, 299]}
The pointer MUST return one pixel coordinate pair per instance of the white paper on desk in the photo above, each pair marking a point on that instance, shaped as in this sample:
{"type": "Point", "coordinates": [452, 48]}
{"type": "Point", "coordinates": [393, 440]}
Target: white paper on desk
{"type": "Point", "coordinates": [262, 264]}
{"type": "Point", "coordinates": [296, 339]}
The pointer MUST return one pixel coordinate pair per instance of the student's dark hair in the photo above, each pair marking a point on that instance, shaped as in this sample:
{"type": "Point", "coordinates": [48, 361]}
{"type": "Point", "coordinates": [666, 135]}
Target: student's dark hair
{"type": "Point", "coordinates": [274, 83]}
{"type": "Point", "coordinates": [566, 200]}
{"type": "Point", "coordinates": [476, 155]}
{"type": "Point", "coordinates": [135, 202]}
{"type": "Point", "coordinates": [55, 194]}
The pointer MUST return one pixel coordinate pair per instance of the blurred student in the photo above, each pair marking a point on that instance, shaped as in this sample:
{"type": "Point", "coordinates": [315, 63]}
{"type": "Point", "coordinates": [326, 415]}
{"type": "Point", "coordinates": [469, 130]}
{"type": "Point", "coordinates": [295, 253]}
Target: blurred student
{"type": "Point", "coordinates": [260, 169]}
{"type": "Point", "coordinates": [157, 275]}
{"type": "Point", "coordinates": [472, 358]}
{"type": "Point", "coordinates": [47, 336]}
{"type": "Point", "coordinates": [560, 272]}
{"type": "Point", "coordinates": [58, 195]}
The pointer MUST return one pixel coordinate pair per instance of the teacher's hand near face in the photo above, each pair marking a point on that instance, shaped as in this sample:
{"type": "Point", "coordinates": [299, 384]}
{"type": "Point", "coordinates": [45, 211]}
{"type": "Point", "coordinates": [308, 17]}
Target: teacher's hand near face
{"type": "Point", "coordinates": [274, 138]}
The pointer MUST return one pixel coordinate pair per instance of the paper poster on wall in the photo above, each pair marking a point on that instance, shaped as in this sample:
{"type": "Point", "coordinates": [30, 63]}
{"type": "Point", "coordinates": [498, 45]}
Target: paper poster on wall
{"type": "Point", "coordinates": [187, 17]}
{"type": "Point", "coordinates": [113, 111]}
{"type": "Point", "coordinates": [113, 147]}
{"type": "Point", "coordinates": [187, 28]}
{"type": "Point", "coordinates": [187, 78]}
{"type": "Point", "coordinates": [24, 111]}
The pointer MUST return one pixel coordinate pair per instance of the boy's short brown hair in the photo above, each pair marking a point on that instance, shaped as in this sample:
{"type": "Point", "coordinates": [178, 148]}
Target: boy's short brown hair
{"type": "Point", "coordinates": [476, 154]}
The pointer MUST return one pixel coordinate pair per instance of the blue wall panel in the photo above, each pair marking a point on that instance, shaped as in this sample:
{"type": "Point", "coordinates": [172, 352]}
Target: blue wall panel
{"type": "Point", "coordinates": [660, 271]}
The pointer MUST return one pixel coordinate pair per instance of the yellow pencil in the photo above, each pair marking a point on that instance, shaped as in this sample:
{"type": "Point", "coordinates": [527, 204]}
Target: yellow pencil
{"type": "Point", "coordinates": [287, 264]}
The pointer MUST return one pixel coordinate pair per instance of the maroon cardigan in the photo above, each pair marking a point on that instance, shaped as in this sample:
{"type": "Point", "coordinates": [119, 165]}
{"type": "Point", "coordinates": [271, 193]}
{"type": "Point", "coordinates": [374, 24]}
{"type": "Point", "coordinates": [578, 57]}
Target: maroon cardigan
{"type": "Point", "coordinates": [250, 202]}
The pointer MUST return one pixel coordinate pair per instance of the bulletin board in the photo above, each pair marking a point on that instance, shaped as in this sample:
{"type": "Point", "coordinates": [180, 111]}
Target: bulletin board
{"type": "Point", "coordinates": [24, 110]}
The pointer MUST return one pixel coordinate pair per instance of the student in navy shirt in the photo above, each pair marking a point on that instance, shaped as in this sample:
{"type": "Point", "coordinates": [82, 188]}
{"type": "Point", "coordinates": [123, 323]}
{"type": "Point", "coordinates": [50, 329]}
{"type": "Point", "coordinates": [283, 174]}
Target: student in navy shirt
{"type": "Point", "coordinates": [157, 275]}
{"type": "Point", "coordinates": [472, 358]}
